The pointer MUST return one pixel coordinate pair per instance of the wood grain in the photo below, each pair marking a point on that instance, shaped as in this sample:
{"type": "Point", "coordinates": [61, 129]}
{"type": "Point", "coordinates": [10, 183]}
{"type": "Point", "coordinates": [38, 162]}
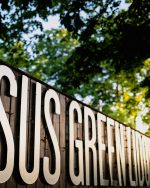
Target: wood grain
{"type": "Point", "coordinates": [61, 127]}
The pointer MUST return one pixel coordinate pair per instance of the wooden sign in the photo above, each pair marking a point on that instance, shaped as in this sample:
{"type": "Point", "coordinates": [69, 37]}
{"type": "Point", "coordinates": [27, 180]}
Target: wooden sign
{"type": "Point", "coordinates": [48, 139]}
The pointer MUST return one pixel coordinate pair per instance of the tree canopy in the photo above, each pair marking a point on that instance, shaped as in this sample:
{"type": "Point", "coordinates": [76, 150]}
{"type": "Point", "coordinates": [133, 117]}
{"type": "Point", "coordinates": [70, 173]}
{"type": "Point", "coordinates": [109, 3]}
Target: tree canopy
{"type": "Point", "coordinates": [102, 50]}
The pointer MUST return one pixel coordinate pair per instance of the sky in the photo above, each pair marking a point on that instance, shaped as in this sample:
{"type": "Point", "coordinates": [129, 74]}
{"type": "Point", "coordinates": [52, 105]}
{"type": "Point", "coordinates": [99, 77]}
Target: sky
{"type": "Point", "coordinates": [53, 22]}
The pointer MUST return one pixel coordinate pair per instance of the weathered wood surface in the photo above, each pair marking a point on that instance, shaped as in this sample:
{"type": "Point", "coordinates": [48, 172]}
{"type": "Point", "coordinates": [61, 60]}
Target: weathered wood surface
{"type": "Point", "coordinates": [60, 122]}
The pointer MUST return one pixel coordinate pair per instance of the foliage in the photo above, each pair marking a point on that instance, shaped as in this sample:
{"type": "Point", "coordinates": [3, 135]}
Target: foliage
{"type": "Point", "coordinates": [103, 53]}
{"type": "Point", "coordinates": [122, 95]}
{"type": "Point", "coordinates": [108, 35]}
{"type": "Point", "coordinates": [52, 50]}
{"type": "Point", "coordinates": [114, 43]}
{"type": "Point", "coordinates": [15, 55]}
{"type": "Point", "coordinates": [21, 16]}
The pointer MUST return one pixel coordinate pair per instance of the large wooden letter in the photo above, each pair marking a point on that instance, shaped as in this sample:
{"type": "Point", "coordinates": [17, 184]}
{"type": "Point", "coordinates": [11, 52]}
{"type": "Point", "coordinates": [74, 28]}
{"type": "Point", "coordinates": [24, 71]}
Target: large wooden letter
{"type": "Point", "coordinates": [6, 173]}
{"type": "Point", "coordinates": [29, 177]}
{"type": "Point", "coordinates": [101, 148]}
{"type": "Point", "coordinates": [51, 178]}
{"type": "Point", "coordinates": [132, 182]}
{"type": "Point", "coordinates": [90, 144]}
{"type": "Point", "coordinates": [77, 143]}
{"type": "Point", "coordinates": [146, 156]}
{"type": "Point", "coordinates": [120, 151]}
{"type": "Point", "coordinates": [111, 149]}
{"type": "Point", "coordinates": [140, 159]}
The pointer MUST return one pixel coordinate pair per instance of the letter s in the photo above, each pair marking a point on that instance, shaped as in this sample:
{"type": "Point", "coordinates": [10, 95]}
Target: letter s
{"type": "Point", "coordinates": [51, 178]}
{"type": "Point", "coordinates": [6, 173]}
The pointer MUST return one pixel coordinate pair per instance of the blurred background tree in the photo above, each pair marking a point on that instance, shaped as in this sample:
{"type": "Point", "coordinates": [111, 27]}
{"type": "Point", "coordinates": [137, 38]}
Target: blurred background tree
{"type": "Point", "coordinates": [101, 52]}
